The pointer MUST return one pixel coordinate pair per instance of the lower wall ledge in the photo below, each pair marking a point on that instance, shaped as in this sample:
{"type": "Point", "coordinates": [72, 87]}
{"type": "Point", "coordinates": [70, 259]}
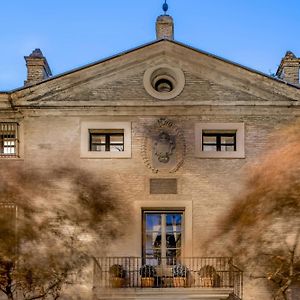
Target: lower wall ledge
{"type": "Point", "coordinates": [163, 293]}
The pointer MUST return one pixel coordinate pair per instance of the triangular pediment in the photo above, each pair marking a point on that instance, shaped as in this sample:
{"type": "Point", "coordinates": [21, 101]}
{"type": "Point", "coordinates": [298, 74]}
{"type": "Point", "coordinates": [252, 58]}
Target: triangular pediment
{"type": "Point", "coordinates": [118, 81]}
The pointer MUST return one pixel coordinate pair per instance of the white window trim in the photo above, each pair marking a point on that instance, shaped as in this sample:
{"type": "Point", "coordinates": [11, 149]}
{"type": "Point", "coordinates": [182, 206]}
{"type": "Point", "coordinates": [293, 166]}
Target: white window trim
{"type": "Point", "coordinates": [84, 145]}
{"type": "Point", "coordinates": [240, 140]}
{"type": "Point", "coordinates": [20, 137]}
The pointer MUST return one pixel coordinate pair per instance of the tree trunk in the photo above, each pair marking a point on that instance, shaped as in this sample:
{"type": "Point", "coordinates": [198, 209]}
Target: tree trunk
{"type": "Point", "coordinates": [10, 296]}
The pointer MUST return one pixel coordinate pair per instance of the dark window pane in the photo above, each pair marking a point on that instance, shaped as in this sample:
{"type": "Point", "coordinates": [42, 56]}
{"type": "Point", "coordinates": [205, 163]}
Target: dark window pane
{"type": "Point", "coordinates": [153, 240]}
{"type": "Point", "coordinates": [174, 240]}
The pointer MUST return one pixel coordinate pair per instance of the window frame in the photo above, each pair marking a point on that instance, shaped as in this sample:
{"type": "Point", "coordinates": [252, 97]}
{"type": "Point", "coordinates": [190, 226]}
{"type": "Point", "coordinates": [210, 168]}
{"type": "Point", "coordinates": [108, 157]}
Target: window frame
{"type": "Point", "coordinates": [162, 212]}
{"type": "Point", "coordinates": [218, 135]}
{"type": "Point", "coordinates": [107, 139]}
{"type": "Point", "coordinates": [238, 128]}
{"type": "Point", "coordinates": [86, 126]}
{"type": "Point", "coordinates": [19, 146]}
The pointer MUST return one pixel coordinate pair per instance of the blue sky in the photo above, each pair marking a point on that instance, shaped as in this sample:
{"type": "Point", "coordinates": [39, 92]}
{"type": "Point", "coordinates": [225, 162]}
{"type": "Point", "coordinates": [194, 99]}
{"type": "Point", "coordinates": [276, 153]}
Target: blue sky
{"type": "Point", "coordinates": [72, 33]}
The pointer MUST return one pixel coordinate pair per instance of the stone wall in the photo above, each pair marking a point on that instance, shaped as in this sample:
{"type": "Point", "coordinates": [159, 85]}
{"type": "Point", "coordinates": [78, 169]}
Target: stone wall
{"type": "Point", "coordinates": [205, 187]}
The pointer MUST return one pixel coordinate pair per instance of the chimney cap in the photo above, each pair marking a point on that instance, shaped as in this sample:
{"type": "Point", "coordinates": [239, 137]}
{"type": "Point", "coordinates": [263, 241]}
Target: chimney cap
{"type": "Point", "coordinates": [290, 55]}
{"type": "Point", "coordinates": [37, 53]}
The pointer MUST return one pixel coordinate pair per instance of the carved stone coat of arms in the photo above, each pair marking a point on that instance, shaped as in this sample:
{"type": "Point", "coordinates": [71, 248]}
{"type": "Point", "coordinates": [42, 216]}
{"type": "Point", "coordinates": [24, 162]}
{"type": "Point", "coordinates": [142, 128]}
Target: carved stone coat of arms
{"type": "Point", "coordinates": [164, 146]}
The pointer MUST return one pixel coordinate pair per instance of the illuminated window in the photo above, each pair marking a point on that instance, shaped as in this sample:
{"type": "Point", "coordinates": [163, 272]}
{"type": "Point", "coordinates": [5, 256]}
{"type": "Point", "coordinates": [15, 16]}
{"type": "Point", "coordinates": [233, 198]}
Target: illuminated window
{"type": "Point", "coordinates": [9, 139]}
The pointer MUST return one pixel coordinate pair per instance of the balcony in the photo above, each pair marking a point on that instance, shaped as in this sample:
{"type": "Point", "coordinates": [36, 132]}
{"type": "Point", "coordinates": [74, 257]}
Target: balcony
{"type": "Point", "coordinates": [183, 278]}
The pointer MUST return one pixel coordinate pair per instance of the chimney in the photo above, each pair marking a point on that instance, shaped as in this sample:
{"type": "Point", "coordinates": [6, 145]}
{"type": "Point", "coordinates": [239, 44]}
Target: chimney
{"type": "Point", "coordinates": [165, 27]}
{"type": "Point", "coordinates": [37, 67]}
{"type": "Point", "coordinates": [289, 67]}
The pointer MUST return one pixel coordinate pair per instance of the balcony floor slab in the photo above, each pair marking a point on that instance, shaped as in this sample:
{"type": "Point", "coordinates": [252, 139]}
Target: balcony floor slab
{"type": "Point", "coordinates": [162, 293]}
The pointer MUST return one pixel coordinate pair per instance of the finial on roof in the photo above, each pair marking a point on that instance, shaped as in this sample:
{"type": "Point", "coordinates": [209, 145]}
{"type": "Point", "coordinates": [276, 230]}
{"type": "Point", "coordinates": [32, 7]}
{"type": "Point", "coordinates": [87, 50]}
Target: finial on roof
{"type": "Point", "coordinates": [165, 25]}
{"type": "Point", "coordinates": [165, 7]}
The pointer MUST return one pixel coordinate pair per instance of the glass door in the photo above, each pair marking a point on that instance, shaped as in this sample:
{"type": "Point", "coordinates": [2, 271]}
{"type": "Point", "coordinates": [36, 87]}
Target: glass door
{"type": "Point", "coordinates": [162, 237]}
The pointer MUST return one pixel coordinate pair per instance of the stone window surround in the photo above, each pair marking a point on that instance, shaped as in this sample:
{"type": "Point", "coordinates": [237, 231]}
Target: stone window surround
{"type": "Point", "coordinates": [240, 140]}
{"type": "Point", "coordinates": [20, 137]}
{"type": "Point", "coordinates": [161, 204]}
{"type": "Point", "coordinates": [84, 139]}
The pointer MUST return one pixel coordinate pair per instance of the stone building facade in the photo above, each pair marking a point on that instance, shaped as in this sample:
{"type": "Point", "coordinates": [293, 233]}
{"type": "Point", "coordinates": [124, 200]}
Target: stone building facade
{"type": "Point", "coordinates": [171, 128]}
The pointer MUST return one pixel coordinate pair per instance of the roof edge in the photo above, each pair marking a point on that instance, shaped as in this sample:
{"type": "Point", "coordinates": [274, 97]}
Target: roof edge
{"type": "Point", "coordinates": [144, 46]}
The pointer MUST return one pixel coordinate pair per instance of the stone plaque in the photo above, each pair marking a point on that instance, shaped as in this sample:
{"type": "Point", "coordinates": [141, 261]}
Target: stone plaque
{"type": "Point", "coordinates": [163, 186]}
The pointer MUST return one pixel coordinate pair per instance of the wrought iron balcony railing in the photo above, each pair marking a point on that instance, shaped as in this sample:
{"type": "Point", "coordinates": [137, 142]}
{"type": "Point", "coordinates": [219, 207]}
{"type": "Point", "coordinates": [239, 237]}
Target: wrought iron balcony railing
{"type": "Point", "coordinates": [137, 272]}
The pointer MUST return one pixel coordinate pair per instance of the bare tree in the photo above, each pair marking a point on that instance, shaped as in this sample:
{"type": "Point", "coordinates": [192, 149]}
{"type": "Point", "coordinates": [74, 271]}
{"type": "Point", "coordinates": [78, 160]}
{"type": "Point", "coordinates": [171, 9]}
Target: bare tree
{"type": "Point", "coordinates": [51, 224]}
{"type": "Point", "coordinates": [263, 226]}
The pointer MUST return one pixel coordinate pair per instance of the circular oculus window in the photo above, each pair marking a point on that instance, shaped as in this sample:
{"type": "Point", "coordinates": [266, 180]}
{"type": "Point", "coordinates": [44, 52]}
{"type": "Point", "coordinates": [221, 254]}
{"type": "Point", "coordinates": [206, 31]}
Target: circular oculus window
{"type": "Point", "coordinates": [164, 82]}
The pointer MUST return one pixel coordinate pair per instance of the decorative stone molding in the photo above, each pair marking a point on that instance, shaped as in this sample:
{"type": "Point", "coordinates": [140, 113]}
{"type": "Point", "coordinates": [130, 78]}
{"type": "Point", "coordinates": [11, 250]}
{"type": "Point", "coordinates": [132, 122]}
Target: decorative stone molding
{"type": "Point", "coordinates": [164, 147]}
{"type": "Point", "coordinates": [164, 82]}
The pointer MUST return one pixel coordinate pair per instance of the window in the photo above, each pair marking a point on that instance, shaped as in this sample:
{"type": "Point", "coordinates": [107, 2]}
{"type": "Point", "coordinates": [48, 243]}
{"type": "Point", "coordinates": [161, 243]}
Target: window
{"type": "Point", "coordinates": [9, 139]}
{"type": "Point", "coordinates": [8, 219]}
{"type": "Point", "coordinates": [162, 236]}
{"type": "Point", "coordinates": [106, 139]}
{"type": "Point", "coordinates": [164, 82]}
{"type": "Point", "coordinates": [219, 140]}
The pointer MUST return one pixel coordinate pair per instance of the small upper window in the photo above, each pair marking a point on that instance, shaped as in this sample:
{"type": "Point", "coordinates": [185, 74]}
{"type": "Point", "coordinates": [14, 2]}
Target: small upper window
{"type": "Point", "coordinates": [218, 140]}
{"type": "Point", "coordinates": [8, 139]}
{"type": "Point", "coordinates": [164, 82]}
{"type": "Point", "coordinates": [106, 140]}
